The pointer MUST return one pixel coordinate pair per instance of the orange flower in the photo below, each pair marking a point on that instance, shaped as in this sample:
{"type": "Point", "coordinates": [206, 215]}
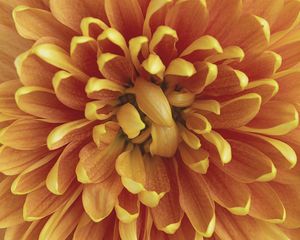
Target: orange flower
{"type": "Point", "coordinates": [149, 119]}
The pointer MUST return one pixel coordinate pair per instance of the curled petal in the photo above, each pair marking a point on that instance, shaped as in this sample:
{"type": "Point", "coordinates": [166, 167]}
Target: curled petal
{"type": "Point", "coordinates": [158, 110]}
{"type": "Point", "coordinates": [130, 120]}
{"type": "Point", "coordinates": [92, 27]}
{"type": "Point", "coordinates": [100, 198]}
{"type": "Point", "coordinates": [164, 136]}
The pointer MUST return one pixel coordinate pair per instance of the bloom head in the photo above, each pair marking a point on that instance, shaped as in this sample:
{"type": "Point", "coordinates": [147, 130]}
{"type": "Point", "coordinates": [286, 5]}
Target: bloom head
{"type": "Point", "coordinates": [161, 119]}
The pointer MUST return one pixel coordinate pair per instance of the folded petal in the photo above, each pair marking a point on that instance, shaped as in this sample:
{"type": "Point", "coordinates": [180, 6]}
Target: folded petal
{"type": "Point", "coordinates": [157, 182]}
{"type": "Point", "coordinates": [162, 136]}
{"type": "Point", "coordinates": [159, 111]}
{"type": "Point", "coordinates": [69, 90]}
{"type": "Point", "coordinates": [95, 165]}
{"type": "Point", "coordinates": [99, 199]}
{"type": "Point", "coordinates": [127, 207]}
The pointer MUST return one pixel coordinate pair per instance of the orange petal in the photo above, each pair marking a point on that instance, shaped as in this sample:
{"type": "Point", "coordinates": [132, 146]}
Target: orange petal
{"type": "Point", "coordinates": [229, 81]}
{"type": "Point", "coordinates": [265, 65]}
{"type": "Point", "coordinates": [195, 201]}
{"type": "Point", "coordinates": [71, 131]}
{"type": "Point", "coordinates": [124, 16]}
{"type": "Point", "coordinates": [8, 103]}
{"type": "Point", "coordinates": [95, 164]}
{"type": "Point", "coordinates": [45, 24]}
{"type": "Point", "coordinates": [196, 160]}
{"type": "Point", "coordinates": [265, 203]}
{"type": "Point", "coordinates": [189, 138]}
{"type": "Point", "coordinates": [167, 214]}
{"type": "Point", "coordinates": [157, 181]}
{"type": "Point", "coordinates": [249, 164]}
{"type": "Point", "coordinates": [127, 207]}
{"type": "Point", "coordinates": [10, 206]}
{"type": "Point", "coordinates": [43, 103]}
{"type": "Point", "coordinates": [61, 175]}
{"type": "Point", "coordinates": [92, 27]}
{"type": "Point", "coordinates": [71, 17]}
{"type": "Point", "coordinates": [197, 123]}
{"type": "Point", "coordinates": [266, 88]}
{"type": "Point", "coordinates": [104, 134]}
{"type": "Point", "coordinates": [289, 195]}
{"type": "Point", "coordinates": [130, 166]}
{"type": "Point", "coordinates": [138, 48]}
{"type": "Point", "coordinates": [87, 229]}
{"type": "Point", "coordinates": [34, 176]}
{"type": "Point", "coordinates": [42, 203]}
{"type": "Point", "coordinates": [163, 43]}
{"type": "Point", "coordinates": [103, 89]}
{"type": "Point", "coordinates": [274, 118]}
{"type": "Point", "coordinates": [186, 231]}
{"type": "Point", "coordinates": [230, 194]}
{"type": "Point", "coordinates": [99, 199]}
{"type": "Point", "coordinates": [116, 68]}
{"type": "Point", "coordinates": [258, 29]}
{"type": "Point", "coordinates": [130, 120]}
{"type": "Point", "coordinates": [162, 136]}
{"type": "Point", "coordinates": [16, 135]}
{"type": "Point", "coordinates": [62, 223]}
{"type": "Point", "coordinates": [219, 144]}
{"type": "Point", "coordinates": [236, 112]}
{"type": "Point", "coordinates": [83, 51]}
{"type": "Point", "coordinates": [158, 111]}
{"type": "Point", "coordinates": [33, 71]}
{"type": "Point", "coordinates": [13, 162]}
{"type": "Point", "coordinates": [185, 14]}
{"type": "Point", "coordinates": [69, 90]}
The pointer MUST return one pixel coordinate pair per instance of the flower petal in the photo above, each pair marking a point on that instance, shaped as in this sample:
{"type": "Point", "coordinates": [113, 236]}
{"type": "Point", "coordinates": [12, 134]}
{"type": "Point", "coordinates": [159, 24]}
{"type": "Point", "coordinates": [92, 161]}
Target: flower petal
{"type": "Point", "coordinates": [236, 112]}
{"type": "Point", "coordinates": [196, 202]}
{"type": "Point", "coordinates": [249, 164]}
{"type": "Point", "coordinates": [265, 203]}
{"type": "Point", "coordinates": [62, 174]}
{"type": "Point", "coordinates": [100, 198]}
{"type": "Point", "coordinates": [43, 103]}
{"type": "Point", "coordinates": [45, 24]}
{"type": "Point", "coordinates": [229, 81]}
{"type": "Point", "coordinates": [42, 203]}
{"type": "Point", "coordinates": [159, 111]}
{"type": "Point", "coordinates": [130, 120]}
{"type": "Point", "coordinates": [34, 176]}
{"type": "Point", "coordinates": [62, 223]}
{"type": "Point", "coordinates": [231, 194]}
{"type": "Point", "coordinates": [127, 207]}
{"type": "Point", "coordinates": [196, 160]}
{"type": "Point", "coordinates": [162, 136]}
{"type": "Point", "coordinates": [124, 16]}
{"type": "Point", "coordinates": [184, 14]}
{"type": "Point", "coordinates": [13, 162]}
{"type": "Point", "coordinates": [95, 165]}
{"type": "Point", "coordinates": [16, 135]}
{"type": "Point", "coordinates": [275, 118]}
{"type": "Point", "coordinates": [71, 16]}
{"type": "Point", "coordinates": [130, 166]}
{"type": "Point", "coordinates": [92, 27]}
{"type": "Point", "coordinates": [167, 214]}
{"type": "Point", "coordinates": [157, 182]}
{"type": "Point", "coordinates": [68, 132]}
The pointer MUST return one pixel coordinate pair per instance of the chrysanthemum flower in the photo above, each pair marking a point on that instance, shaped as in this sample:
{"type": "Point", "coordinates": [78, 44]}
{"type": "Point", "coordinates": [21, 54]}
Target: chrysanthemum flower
{"type": "Point", "coordinates": [150, 119]}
